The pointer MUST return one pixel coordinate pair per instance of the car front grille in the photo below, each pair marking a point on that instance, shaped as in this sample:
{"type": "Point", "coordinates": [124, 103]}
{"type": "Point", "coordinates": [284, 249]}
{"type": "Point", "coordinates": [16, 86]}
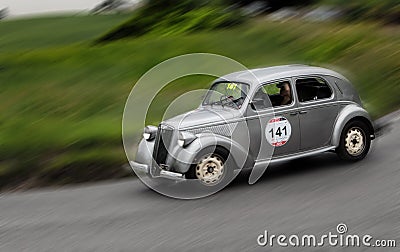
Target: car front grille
{"type": "Point", "coordinates": [162, 143]}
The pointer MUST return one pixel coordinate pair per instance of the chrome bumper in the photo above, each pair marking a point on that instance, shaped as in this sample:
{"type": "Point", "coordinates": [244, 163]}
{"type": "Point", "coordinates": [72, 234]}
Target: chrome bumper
{"type": "Point", "coordinates": [163, 174]}
{"type": "Point", "coordinates": [141, 167]}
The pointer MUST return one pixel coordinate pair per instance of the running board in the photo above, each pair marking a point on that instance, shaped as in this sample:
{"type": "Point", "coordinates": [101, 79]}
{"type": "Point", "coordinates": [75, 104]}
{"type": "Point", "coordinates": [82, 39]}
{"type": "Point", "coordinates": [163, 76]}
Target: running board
{"type": "Point", "coordinates": [290, 157]}
{"type": "Point", "coordinates": [172, 175]}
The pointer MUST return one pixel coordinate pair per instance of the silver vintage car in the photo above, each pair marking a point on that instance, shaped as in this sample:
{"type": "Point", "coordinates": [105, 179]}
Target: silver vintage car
{"type": "Point", "coordinates": [250, 118]}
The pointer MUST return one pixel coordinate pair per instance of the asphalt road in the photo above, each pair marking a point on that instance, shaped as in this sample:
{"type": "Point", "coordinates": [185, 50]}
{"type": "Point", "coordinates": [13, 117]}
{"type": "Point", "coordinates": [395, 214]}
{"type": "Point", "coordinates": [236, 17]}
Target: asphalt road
{"type": "Point", "coordinates": [305, 196]}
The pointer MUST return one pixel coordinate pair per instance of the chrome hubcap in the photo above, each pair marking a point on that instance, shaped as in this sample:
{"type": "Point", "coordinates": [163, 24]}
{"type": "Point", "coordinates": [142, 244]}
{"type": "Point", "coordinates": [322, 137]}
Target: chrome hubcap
{"type": "Point", "coordinates": [210, 169]}
{"type": "Point", "coordinates": [355, 142]}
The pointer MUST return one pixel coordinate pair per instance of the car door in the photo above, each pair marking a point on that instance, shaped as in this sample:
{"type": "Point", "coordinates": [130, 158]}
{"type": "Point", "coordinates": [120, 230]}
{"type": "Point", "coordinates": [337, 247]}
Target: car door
{"type": "Point", "coordinates": [271, 124]}
{"type": "Point", "coordinates": [317, 110]}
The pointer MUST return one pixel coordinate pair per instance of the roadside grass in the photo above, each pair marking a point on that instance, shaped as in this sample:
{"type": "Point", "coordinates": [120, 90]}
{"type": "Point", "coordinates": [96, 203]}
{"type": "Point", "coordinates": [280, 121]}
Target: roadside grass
{"type": "Point", "coordinates": [62, 98]}
{"type": "Point", "coordinates": [35, 33]}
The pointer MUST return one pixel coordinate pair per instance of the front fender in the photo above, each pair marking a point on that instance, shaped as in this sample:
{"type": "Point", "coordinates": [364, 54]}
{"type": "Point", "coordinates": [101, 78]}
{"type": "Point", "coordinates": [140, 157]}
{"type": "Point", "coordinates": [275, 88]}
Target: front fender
{"type": "Point", "coordinates": [346, 114]}
{"type": "Point", "coordinates": [144, 153]}
{"type": "Point", "coordinates": [184, 158]}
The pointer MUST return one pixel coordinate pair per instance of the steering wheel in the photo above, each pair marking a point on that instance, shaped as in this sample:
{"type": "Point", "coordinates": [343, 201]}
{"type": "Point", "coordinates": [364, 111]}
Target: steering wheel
{"type": "Point", "coordinates": [229, 98]}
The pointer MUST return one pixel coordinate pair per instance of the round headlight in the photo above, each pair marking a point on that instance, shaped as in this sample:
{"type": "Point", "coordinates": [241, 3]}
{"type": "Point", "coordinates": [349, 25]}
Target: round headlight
{"type": "Point", "coordinates": [185, 138]}
{"type": "Point", "coordinates": [146, 136]}
{"type": "Point", "coordinates": [150, 132]}
{"type": "Point", "coordinates": [181, 142]}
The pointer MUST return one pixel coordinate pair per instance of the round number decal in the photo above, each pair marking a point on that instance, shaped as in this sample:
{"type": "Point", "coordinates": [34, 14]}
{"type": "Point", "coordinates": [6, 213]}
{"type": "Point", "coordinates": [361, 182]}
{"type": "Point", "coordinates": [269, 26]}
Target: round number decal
{"type": "Point", "coordinates": [278, 131]}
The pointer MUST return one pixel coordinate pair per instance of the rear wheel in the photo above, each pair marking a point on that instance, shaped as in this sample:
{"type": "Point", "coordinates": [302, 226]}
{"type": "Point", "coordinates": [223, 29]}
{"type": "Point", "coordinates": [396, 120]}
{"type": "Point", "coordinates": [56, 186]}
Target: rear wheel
{"type": "Point", "coordinates": [355, 141]}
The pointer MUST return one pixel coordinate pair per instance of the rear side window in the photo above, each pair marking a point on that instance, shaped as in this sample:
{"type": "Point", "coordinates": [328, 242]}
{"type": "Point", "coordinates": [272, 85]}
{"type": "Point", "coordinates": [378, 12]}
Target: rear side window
{"type": "Point", "coordinates": [312, 89]}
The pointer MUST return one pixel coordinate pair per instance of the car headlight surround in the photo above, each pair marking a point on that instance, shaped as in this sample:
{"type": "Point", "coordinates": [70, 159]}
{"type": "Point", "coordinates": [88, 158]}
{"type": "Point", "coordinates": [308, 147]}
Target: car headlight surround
{"type": "Point", "coordinates": [186, 138]}
{"type": "Point", "coordinates": [150, 132]}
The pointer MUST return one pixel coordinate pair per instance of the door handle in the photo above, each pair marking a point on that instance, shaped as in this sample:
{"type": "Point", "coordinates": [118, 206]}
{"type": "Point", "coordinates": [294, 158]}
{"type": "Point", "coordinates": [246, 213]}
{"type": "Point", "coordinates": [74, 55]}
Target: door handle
{"type": "Point", "coordinates": [303, 112]}
{"type": "Point", "coordinates": [293, 113]}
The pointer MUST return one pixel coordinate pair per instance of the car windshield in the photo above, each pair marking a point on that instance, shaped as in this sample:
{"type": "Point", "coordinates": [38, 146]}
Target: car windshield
{"type": "Point", "coordinates": [226, 94]}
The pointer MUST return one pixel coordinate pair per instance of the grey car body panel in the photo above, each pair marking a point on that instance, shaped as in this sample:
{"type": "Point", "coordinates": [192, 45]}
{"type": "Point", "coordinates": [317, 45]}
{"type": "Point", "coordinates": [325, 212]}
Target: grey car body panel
{"type": "Point", "coordinates": [180, 159]}
{"type": "Point", "coordinates": [260, 120]}
{"type": "Point", "coordinates": [202, 116]}
{"type": "Point", "coordinates": [145, 152]}
{"type": "Point", "coordinates": [347, 113]}
{"type": "Point", "coordinates": [317, 117]}
{"type": "Point", "coordinates": [325, 117]}
{"type": "Point", "coordinates": [190, 154]}
{"type": "Point", "coordinates": [346, 91]}
{"type": "Point", "coordinates": [255, 77]}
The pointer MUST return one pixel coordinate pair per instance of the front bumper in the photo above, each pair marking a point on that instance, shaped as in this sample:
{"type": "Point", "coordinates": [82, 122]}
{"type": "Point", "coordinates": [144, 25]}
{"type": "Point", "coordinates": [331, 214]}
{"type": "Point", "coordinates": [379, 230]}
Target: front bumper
{"type": "Point", "coordinates": [139, 167]}
{"type": "Point", "coordinates": [144, 163]}
{"type": "Point", "coordinates": [144, 168]}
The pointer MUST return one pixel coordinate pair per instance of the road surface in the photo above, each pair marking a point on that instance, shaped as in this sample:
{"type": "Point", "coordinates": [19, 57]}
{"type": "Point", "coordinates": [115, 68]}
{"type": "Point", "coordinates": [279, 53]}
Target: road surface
{"type": "Point", "coordinates": [306, 196]}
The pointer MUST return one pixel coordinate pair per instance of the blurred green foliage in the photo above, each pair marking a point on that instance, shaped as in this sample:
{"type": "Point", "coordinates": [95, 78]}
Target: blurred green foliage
{"type": "Point", "coordinates": [271, 4]}
{"type": "Point", "coordinates": [168, 17]}
{"type": "Point", "coordinates": [386, 10]}
{"type": "Point", "coordinates": [62, 99]}
{"type": "Point", "coordinates": [36, 33]}
{"type": "Point", "coordinates": [175, 17]}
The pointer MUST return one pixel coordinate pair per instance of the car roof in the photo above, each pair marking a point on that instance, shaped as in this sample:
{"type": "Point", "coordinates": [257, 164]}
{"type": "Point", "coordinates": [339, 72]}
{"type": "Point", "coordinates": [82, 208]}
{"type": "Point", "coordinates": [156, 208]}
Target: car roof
{"type": "Point", "coordinates": [262, 75]}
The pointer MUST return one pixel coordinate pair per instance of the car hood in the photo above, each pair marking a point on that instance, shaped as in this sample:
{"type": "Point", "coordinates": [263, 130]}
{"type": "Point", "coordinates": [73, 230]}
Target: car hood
{"type": "Point", "coordinates": [203, 115]}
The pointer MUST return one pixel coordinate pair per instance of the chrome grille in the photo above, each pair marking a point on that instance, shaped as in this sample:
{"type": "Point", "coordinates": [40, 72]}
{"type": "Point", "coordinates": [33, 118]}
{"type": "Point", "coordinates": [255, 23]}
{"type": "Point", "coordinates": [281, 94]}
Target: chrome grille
{"type": "Point", "coordinates": [162, 143]}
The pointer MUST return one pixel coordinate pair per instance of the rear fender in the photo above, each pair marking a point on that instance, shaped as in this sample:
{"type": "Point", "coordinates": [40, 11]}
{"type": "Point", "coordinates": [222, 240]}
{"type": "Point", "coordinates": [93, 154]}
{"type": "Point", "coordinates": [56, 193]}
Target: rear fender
{"type": "Point", "coordinates": [348, 113]}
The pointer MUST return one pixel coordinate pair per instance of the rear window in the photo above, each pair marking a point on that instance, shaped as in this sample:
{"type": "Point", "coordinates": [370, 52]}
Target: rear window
{"type": "Point", "coordinates": [312, 89]}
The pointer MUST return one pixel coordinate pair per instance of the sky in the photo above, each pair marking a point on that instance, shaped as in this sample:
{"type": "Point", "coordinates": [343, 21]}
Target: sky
{"type": "Point", "coordinates": [31, 7]}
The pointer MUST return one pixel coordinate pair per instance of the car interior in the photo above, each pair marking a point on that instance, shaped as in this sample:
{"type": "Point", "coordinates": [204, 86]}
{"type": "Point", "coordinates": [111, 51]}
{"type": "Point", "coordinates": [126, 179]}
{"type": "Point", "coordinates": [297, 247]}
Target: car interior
{"type": "Point", "coordinates": [261, 98]}
{"type": "Point", "coordinates": [312, 89]}
{"type": "Point", "coordinates": [308, 89]}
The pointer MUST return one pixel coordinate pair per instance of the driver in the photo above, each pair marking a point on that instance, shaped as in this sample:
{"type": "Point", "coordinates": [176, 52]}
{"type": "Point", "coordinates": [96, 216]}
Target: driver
{"type": "Point", "coordinates": [285, 93]}
{"type": "Point", "coordinates": [234, 94]}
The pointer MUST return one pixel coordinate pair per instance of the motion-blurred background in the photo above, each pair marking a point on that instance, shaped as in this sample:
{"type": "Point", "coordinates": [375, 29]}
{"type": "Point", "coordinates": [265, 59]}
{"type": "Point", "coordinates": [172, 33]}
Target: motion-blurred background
{"type": "Point", "coordinates": [64, 78]}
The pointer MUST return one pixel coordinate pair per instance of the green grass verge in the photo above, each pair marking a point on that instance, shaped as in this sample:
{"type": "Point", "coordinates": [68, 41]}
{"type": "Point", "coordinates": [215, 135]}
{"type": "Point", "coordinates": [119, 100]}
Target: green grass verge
{"type": "Point", "coordinates": [62, 99]}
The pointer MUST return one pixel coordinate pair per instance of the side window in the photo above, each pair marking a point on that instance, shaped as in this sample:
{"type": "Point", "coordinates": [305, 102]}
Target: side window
{"type": "Point", "coordinates": [275, 94]}
{"type": "Point", "coordinates": [311, 89]}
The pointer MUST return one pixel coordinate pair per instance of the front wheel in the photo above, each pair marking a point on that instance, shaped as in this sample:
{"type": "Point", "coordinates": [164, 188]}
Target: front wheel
{"type": "Point", "coordinates": [355, 141]}
{"type": "Point", "coordinates": [212, 168]}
